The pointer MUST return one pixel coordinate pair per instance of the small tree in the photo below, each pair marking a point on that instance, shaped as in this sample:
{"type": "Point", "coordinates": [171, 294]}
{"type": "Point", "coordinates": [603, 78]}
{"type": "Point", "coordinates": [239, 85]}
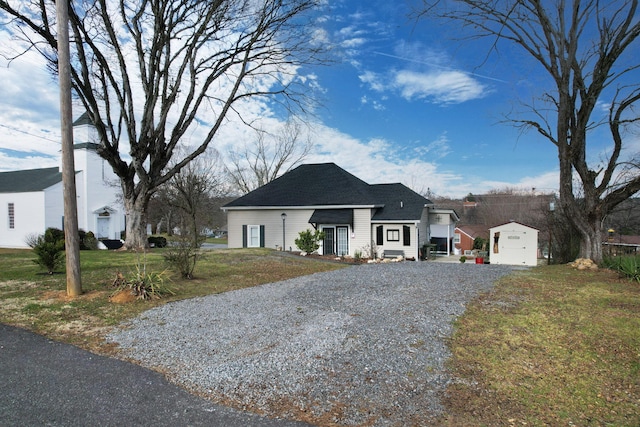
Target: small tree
{"type": "Point", "coordinates": [49, 249]}
{"type": "Point", "coordinates": [309, 241]}
{"type": "Point", "coordinates": [182, 256]}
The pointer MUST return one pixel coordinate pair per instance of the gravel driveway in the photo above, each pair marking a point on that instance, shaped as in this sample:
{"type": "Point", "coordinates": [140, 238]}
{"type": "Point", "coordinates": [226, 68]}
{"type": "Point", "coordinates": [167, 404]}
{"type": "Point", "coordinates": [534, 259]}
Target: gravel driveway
{"type": "Point", "coordinates": [361, 345]}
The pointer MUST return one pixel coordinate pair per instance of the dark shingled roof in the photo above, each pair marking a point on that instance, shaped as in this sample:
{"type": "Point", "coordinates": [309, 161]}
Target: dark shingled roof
{"type": "Point", "coordinates": [326, 184]}
{"type": "Point", "coordinates": [322, 184]}
{"type": "Point", "coordinates": [332, 216]}
{"type": "Point", "coordinates": [400, 203]}
{"type": "Point", "coordinates": [29, 180]}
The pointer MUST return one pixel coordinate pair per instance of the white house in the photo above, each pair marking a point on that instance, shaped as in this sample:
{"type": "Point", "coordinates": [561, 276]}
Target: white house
{"type": "Point", "coordinates": [513, 244]}
{"type": "Point", "coordinates": [31, 200]}
{"type": "Point", "coordinates": [354, 216]}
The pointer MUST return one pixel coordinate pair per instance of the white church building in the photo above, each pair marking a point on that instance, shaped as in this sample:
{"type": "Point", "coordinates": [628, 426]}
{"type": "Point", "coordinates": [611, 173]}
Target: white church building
{"type": "Point", "coordinates": [31, 200]}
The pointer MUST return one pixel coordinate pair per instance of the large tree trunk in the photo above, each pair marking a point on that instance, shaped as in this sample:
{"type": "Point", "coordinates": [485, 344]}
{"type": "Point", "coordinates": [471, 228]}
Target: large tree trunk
{"type": "Point", "coordinates": [136, 209]}
{"type": "Point", "coordinates": [591, 245]}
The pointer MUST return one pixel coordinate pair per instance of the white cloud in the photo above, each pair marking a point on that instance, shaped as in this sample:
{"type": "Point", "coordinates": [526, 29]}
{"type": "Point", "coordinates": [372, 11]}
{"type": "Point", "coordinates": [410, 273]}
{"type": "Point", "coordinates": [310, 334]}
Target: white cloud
{"type": "Point", "coordinates": [441, 87]}
{"type": "Point", "coordinates": [438, 86]}
{"type": "Point", "coordinates": [436, 149]}
{"type": "Point", "coordinates": [374, 80]}
{"type": "Point", "coordinates": [544, 182]}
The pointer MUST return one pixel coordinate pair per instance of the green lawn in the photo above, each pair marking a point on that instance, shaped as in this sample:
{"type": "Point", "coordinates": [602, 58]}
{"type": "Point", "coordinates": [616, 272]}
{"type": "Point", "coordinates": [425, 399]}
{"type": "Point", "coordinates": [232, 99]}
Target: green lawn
{"type": "Point", "coordinates": [549, 346]}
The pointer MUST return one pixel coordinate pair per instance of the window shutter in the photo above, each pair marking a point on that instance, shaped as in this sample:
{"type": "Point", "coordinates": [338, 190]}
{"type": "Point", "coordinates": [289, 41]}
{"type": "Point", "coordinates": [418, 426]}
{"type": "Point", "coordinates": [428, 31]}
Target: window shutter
{"type": "Point", "coordinates": [244, 236]}
{"type": "Point", "coordinates": [406, 235]}
{"type": "Point", "coordinates": [262, 237]}
{"type": "Point", "coordinates": [379, 235]}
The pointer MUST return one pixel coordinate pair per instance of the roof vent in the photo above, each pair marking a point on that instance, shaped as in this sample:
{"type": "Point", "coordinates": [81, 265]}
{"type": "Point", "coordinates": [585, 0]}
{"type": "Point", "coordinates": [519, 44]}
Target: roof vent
{"type": "Point", "coordinates": [401, 204]}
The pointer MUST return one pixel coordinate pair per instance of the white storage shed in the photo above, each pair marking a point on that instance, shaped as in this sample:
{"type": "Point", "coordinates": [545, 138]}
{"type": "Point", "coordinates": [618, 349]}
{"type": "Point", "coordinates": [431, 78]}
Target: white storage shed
{"type": "Point", "coordinates": [513, 244]}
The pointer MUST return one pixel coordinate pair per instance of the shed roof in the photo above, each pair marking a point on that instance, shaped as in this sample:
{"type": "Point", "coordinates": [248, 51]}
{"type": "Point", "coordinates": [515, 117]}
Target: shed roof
{"type": "Point", "coordinates": [332, 216]}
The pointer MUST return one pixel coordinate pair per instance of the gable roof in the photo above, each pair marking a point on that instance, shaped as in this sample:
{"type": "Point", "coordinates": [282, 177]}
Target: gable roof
{"type": "Point", "coordinates": [400, 202]}
{"type": "Point", "coordinates": [513, 223]}
{"type": "Point", "coordinates": [29, 180]}
{"type": "Point", "coordinates": [326, 184]}
{"type": "Point", "coordinates": [84, 119]}
{"type": "Point", "coordinates": [322, 184]}
{"type": "Point", "coordinates": [474, 231]}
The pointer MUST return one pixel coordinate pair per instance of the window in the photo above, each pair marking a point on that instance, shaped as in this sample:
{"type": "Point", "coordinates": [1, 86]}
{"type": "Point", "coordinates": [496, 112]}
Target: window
{"type": "Point", "coordinates": [253, 236]}
{"type": "Point", "coordinates": [406, 235]}
{"type": "Point", "coordinates": [456, 238]}
{"type": "Point", "coordinates": [379, 235]}
{"type": "Point", "coordinates": [393, 235]}
{"type": "Point", "coordinates": [12, 215]}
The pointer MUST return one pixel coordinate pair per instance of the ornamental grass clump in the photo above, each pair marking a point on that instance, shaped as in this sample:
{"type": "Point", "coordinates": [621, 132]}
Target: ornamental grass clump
{"type": "Point", "coordinates": [143, 285]}
{"type": "Point", "coordinates": [627, 266]}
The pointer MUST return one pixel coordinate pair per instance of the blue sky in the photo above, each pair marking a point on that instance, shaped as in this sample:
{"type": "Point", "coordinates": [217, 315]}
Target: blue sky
{"type": "Point", "coordinates": [400, 103]}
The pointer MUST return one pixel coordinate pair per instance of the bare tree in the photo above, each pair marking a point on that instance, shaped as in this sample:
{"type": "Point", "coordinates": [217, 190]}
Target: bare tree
{"type": "Point", "coordinates": [151, 72]}
{"type": "Point", "coordinates": [589, 49]}
{"type": "Point", "coordinates": [264, 159]}
{"type": "Point", "coordinates": [192, 192]}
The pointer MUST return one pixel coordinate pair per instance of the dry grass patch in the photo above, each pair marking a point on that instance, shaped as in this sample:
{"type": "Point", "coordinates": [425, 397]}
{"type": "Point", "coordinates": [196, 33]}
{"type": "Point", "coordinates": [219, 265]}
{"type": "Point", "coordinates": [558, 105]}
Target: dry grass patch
{"type": "Point", "coordinates": [38, 302]}
{"type": "Point", "coordinates": [549, 346]}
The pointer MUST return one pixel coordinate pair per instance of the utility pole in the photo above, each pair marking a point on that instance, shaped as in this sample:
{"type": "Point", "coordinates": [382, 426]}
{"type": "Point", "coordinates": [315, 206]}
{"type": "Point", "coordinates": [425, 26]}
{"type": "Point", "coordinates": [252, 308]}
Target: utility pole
{"type": "Point", "coordinates": [71, 237]}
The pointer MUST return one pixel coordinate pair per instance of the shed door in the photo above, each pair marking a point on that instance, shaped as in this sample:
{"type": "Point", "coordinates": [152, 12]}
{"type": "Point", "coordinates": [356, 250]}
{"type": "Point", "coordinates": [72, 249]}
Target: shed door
{"type": "Point", "coordinates": [514, 246]}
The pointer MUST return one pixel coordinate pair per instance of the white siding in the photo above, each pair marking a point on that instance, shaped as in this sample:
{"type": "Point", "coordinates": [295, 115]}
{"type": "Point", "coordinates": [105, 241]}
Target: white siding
{"type": "Point", "coordinates": [296, 221]}
{"type": "Point", "coordinates": [28, 218]}
{"type": "Point", "coordinates": [53, 207]}
{"type": "Point", "coordinates": [97, 188]}
{"type": "Point", "coordinates": [423, 228]}
{"type": "Point", "coordinates": [410, 251]}
{"type": "Point", "coordinates": [361, 234]}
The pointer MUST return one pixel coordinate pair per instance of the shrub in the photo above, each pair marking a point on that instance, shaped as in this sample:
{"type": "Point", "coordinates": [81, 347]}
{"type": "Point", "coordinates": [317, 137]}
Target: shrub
{"type": "Point", "coordinates": [54, 235]}
{"type": "Point", "coordinates": [309, 241]}
{"type": "Point", "coordinates": [88, 240]}
{"type": "Point", "coordinates": [182, 256]}
{"type": "Point", "coordinates": [49, 251]}
{"type": "Point", "coordinates": [463, 259]}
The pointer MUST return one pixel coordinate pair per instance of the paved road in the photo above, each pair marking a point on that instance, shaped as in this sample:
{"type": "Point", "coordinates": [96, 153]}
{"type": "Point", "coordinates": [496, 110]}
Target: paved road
{"type": "Point", "coordinates": [43, 382]}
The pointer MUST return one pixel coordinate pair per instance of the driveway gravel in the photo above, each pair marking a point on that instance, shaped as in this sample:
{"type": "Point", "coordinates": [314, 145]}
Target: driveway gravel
{"type": "Point", "coordinates": [361, 345]}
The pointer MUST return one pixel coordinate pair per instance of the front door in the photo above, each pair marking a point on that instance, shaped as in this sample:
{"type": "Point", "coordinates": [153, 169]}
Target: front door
{"type": "Point", "coordinates": [328, 243]}
{"type": "Point", "coordinates": [103, 227]}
